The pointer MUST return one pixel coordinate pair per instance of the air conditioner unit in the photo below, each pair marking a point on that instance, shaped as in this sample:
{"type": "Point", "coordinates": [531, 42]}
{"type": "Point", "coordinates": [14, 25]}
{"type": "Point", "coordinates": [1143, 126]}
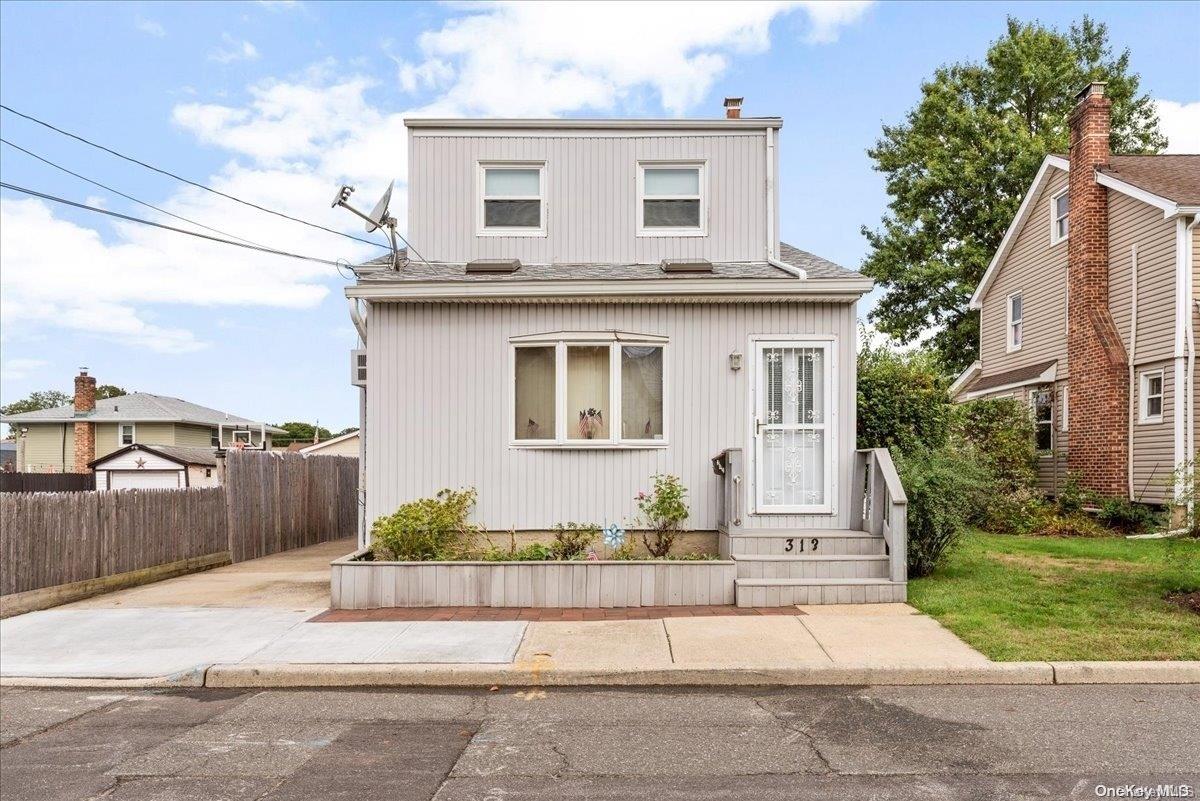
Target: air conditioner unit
{"type": "Point", "coordinates": [358, 367]}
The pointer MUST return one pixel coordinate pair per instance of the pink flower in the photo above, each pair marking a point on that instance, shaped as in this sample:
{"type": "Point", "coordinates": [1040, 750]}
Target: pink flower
{"type": "Point", "coordinates": [641, 496]}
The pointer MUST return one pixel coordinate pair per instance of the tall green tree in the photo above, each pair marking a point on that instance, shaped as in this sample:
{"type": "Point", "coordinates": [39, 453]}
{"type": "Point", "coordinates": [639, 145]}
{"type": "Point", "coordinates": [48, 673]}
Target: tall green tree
{"type": "Point", "coordinates": [36, 401]}
{"type": "Point", "coordinates": [109, 391]}
{"type": "Point", "coordinates": [957, 167]}
{"type": "Point", "coordinates": [299, 432]}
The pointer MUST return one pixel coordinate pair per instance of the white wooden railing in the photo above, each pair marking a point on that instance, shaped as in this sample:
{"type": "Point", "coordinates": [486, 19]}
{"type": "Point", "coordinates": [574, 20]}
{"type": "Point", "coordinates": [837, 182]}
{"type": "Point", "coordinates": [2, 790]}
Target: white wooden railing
{"type": "Point", "coordinates": [728, 465]}
{"type": "Point", "coordinates": [880, 505]}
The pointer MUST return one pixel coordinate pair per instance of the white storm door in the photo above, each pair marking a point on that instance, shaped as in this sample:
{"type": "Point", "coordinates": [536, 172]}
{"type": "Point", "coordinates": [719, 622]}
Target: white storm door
{"type": "Point", "coordinates": [793, 448]}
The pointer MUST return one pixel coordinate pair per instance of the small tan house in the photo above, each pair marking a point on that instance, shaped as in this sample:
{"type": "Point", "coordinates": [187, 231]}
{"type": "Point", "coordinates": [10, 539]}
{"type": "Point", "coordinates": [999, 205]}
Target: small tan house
{"type": "Point", "coordinates": [1088, 313]}
{"type": "Point", "coordinates": [156, 467]}
{"type": "Point", "coordinates": [343, 445]}
{"type": "Point", "coordinates": [66, 439]}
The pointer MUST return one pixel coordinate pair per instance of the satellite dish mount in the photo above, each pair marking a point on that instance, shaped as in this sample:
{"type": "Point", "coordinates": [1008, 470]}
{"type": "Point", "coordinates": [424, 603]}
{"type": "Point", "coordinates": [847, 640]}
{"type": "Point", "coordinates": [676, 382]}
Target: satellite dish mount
{"type": "Point", "coordinates": [378, 218]}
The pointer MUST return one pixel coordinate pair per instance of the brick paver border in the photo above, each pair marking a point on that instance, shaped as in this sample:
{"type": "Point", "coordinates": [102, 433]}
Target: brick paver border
{"type": "Point", "coordinates": [490, 613]}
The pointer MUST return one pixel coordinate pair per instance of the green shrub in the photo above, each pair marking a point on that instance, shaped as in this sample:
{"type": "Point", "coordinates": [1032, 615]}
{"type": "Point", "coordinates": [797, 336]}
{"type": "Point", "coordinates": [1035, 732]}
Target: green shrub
{"type": "Point", "coordinates": [428, 529]}
{"type": "Point", "coordinates": [1126, 517]}
{"type": "Point", "coordinates": [534, 552]}
{"type": "Point", "coordinates": [942, 488]}
{"type": "Point", "coordinates": [1071, 498]}
{"type": "Point", "coordinates": [572, 539]}
{"type": "Point", "coordinates": [903, 401]}
{"type": "Point", "coordinates": [663, 509]}
{"type": "Point", "coordinates": [1000, 432]}
{"type": "Point", "coordinates": [1019, 511]}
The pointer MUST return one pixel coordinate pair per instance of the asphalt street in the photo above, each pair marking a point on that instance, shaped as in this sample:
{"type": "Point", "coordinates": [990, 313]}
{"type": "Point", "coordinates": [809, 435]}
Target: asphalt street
{"type": "Point", "coordinates": [965, 742]}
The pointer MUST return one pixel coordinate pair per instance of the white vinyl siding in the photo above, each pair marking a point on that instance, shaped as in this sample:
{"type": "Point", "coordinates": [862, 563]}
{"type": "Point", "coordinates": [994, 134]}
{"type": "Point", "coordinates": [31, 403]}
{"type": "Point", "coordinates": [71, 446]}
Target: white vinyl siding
{"type": "Point", "coordinates": [590, 186]}
{"type": "Point", "coordinates": [464, 439]}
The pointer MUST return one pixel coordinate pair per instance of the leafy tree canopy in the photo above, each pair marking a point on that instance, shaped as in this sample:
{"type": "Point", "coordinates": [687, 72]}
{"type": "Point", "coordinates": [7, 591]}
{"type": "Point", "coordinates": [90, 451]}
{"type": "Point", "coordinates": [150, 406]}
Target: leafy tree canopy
{"type": "Point", "coordinates": [109, 391]}
{"type": "Point", "coordinates": [349, 430]}
{"type": "Point", "coordinates": [957, 168]}
{"type": "Point", "coordinates": [299, 432]}
{"type": "Point", "coordinates": [46, 399]}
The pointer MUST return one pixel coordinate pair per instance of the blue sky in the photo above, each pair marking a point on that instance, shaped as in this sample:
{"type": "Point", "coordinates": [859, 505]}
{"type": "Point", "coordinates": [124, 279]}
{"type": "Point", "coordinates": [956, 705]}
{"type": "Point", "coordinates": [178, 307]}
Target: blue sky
{"type": "Point", "coordinates": [279, 102]}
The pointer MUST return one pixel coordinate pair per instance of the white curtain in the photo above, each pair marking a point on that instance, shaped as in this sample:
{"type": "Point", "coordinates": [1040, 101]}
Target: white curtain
{"type": "Point", "coordinates": [535, 393]}
{"type": "Point", "coordinates": [641, 392]}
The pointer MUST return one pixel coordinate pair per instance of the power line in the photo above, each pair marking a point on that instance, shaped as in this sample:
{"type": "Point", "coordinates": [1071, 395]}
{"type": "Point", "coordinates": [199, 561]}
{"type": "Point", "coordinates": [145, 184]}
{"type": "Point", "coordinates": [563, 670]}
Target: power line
{"type": "Point", "coordinates": [190, 182]}
{"type": "Point", "coordinates": [122, 194]}
{"type": "Point", "coordinates": [259, 248]}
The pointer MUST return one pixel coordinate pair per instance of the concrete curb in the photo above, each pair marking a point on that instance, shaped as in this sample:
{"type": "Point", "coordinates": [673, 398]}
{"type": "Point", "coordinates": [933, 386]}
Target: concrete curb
{"type": "Point", "coordinates": [1126, 672]}
{"type": "Point", "coordinates": [187, 678]}
{"type": "Point", "coordinates": [545, 675]}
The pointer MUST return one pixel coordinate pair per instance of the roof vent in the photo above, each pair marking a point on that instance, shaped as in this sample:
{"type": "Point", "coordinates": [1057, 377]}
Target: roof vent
{"type": "Point", "coordinates": [686, 266]}
{"type": "Point", "coordinates": [493, 266]}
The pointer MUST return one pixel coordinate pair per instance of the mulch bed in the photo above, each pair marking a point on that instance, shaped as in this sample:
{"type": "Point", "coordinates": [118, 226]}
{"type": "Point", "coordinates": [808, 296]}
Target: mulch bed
{"type": "Point", "coordinates": [490, 613]}
{"type": "Point", "coordinates": [1186, 600]}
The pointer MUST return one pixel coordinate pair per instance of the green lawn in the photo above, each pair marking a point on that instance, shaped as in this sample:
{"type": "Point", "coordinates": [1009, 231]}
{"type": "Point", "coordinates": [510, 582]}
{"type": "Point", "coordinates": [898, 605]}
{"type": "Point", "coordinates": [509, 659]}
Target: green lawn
{"type": "Point", "coordinates": [1042, 598]}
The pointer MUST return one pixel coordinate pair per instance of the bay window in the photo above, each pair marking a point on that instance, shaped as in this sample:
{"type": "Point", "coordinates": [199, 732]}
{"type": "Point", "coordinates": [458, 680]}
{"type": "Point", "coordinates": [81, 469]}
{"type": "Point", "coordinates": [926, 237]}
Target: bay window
{"type": "Point", "coordinates": [583, 389]}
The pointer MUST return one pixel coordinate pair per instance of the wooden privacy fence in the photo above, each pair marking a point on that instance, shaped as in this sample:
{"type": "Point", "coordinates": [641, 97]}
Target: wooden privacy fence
{"type": "Point", "coordinates": [52, 538]}
{"type": "Point", "coordinates": [47, 482]}
{"type": "Point", "coordinates": [280, 501]}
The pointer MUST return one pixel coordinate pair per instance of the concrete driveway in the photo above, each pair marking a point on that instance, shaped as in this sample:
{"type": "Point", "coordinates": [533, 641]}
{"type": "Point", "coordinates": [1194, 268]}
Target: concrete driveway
{"type": "Point", "coordinates": [296, 579]}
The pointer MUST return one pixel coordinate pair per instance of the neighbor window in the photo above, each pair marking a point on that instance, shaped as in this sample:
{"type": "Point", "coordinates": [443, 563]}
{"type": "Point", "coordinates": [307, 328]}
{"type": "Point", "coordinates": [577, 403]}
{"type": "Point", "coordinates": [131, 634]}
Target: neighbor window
{"type": "Point", "coordinates": [671, 199]}
{"type": "Point", "coordinates": [1042, 401]}
{"type": "Point", "coordinates": [214, 437]}
{"type": "Point", "coordinates": [512, 199]}
{"type": "Point", "coordinates": [1059, 219]}
{"type": "Point", "coordinates": [127, 434]}
{"type": "Point", "coordinates": [584, 389]}
{"type": "Point", "coordinates": [1152, 397]}
{"type": "Point", "coordinates": [1016, 314]}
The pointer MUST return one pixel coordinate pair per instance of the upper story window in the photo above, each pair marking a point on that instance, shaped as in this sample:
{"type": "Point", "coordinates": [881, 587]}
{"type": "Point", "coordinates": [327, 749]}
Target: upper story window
{"type": "Point", "coordinates": [1151, 394]}
{"type": "Point", "coordinates": [1016, 324]}
{"type": "Point", "coordinates": [512, 200]}
{"type": "Point", "coordinates": [1060, 221]}
{"type": "Point", "coordinates": [671, 199]}
{"type": "Point", "coordinates": [583, 389]}
{"type": "Point", "coordinates": [214, 437]}
{"type": "Point", "coordinates": [127, 433]}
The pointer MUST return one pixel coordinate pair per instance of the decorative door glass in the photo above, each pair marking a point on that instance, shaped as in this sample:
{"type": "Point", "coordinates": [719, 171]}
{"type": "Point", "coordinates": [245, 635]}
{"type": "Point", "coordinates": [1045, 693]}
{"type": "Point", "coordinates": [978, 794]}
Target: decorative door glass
{"type": "Point", "coordinates": [791, 438]}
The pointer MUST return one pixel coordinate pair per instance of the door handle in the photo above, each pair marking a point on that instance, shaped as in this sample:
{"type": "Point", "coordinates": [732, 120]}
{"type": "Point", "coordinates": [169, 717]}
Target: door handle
{"type": "Point", "coordinates": [758, 426]}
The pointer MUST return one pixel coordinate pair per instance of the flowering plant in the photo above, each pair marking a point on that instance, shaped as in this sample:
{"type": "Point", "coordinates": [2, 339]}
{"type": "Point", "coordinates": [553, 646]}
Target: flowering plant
{"type": "Point", "coordinates": [662, 510]}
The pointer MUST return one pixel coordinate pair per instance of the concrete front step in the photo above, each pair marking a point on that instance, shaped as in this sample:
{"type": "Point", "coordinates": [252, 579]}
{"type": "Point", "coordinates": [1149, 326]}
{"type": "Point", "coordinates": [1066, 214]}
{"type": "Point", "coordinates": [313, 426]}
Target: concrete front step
{"type": "Point", "coordinates": [808, 566]}
{"type": "Point", "coordinates": [798, 542]}
{"type": "Point", "coordinates": [761, 592]}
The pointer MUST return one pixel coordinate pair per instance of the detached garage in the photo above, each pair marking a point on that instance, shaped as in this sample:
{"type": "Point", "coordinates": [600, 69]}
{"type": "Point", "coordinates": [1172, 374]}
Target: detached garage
{"type": "Point", "coordinates": [156, 467]}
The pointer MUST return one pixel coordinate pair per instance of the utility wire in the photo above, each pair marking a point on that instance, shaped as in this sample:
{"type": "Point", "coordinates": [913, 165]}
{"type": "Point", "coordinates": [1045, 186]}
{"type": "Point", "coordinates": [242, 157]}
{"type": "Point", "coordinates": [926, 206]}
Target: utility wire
{"type": "Point", "coordinates": [259, 248]}
{"type": "Point", "coordinates": [188, 181]}
{"type": "Point", "coordinates": [127, 197]}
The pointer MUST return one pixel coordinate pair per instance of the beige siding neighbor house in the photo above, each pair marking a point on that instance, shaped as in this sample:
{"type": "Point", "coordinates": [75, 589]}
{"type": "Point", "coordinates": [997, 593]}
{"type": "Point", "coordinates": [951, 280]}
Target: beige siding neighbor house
{"type": "Point", "coordinates": [343, 445]}
{"type": "Point", "coordinates": [67, 439]}
{"type": "Point", "coordinates": [587, 303]}
{"type": "Point", "coordinates": [1088, 313]}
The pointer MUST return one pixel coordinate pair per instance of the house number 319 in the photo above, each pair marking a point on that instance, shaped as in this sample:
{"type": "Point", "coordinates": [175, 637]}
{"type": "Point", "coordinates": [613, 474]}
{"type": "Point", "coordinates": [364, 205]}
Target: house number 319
{"type": "Point", "coordinates": [790, 544]}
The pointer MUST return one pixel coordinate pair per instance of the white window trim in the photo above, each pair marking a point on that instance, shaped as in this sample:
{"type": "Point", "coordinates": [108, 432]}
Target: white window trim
{"type": "Point", "coordinates": [614, 340]}
{"type": "Point", "coordinates": [1054, 218]}
{"type": "Point", "coordinates": [480, 184]}
{"type": "Point", "coordinates": [1144, 396]}
{"type": "Point", "coordinates": [832, 483]}
{"type": "Point", "coordinates": [700, 165]}
{"type": "Point", "coordinates": [1065, 394]}
{"type": "Point", "coordinates": [1033, 393]}
{"type": "Point", "coordinates": [1009, 345]}
{"type": "Point", "coordinates": [121, 434]}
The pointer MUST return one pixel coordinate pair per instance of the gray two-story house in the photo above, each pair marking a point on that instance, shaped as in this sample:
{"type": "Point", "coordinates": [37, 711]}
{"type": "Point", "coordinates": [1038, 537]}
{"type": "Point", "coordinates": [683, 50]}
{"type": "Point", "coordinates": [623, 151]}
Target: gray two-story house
{"type": "Point", "coordinates": [1088, 313]}
{"type": "Point", "coordinates": [586, 303]}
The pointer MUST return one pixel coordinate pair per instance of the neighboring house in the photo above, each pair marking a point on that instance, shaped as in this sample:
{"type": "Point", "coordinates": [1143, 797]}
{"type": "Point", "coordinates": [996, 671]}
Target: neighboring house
{"type": "Point", "coordinates": [8, 455]}
{"type": "Point", "coordinates": [156, 467]}
{"type": "Point", "coordinates": [344, 445]}
{"type": "Point", "coordinates": [597, 301]}
{"type": "Point", "coordinates": [1088, 313]}
{"type": "Point", "coordinates": [67, 438]}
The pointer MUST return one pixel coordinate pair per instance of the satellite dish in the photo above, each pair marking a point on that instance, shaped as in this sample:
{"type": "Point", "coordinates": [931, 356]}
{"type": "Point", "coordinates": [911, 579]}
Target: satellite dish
{"type": "Point", "coordinates": [379, 213]}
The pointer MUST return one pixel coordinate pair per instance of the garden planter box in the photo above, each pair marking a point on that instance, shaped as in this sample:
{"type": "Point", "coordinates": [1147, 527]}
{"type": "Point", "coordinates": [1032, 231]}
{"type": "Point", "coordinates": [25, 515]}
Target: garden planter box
{"type": "Point", "coordinates": [372, 585]}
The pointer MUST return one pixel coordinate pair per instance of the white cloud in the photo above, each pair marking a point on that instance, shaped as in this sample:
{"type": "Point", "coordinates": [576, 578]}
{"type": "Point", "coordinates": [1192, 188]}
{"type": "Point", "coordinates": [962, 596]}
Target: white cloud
{"type": "Point", "coordinates": [530, 59]}
{"type": "Point", "coordinates": [150, 27]}
{"type": "Point", "coordinates": [233, 50]}
{"type": "Point", "coordinates": [17, 369]}
{"type": "Point", "coordinates": [1180, 123]}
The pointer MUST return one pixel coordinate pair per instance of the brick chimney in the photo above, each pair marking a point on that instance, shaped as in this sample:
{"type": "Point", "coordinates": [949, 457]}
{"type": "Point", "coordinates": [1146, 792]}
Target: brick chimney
{"type": "Point", "coordinates": [733, 108]}
{"type": "Point", "coordinates": [85, 430]}
{"type": "Point", "coordinates": [1098, 444]}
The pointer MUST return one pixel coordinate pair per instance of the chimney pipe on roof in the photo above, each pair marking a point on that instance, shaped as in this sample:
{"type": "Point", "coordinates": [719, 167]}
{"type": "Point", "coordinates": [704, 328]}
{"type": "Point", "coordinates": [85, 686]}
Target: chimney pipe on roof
{"type": "Point", "coordinates": [733, 108]}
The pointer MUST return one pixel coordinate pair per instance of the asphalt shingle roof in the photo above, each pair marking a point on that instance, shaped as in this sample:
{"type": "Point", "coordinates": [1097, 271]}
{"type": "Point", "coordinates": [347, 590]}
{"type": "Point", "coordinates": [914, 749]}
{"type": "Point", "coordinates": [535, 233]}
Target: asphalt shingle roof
{"type": "Point", "coordinates": [1173, 176]}
{"type": "Point", "coordinates": [134, 408]}
{"type": "Point", "coordinates": [816, 268]}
